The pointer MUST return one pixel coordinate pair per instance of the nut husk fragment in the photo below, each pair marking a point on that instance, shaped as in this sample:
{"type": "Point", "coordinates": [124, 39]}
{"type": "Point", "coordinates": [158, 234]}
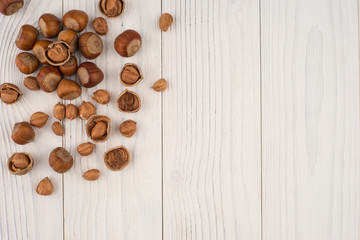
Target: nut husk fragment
{"type": "Point", "coordinates": [38, 119]}
{"type": "Point", "coordinates": [57, 53]}
{"type": "Point", "coordinates": [57, 128]}
{"type": "Point", "coordinates": [98, 128]}
{"type": "Point", "coordinates": [111, 8]}
{"type": "Point", "coordinates": [128, 101]}
{"type": "Point", "coordinates": [130, 75]}
{"type": "Point", "coordinates": [20, 163]}
{"type": "Point", "coordinates": [85, 149]}
{"type": "Point", "coordinates": [10, 93]}
{"type": "Point", "coordinates": [128, 128]}
{"type": "Point", "coordinates": [45, 187]}
{"type": "Point", "coordinates": [86, 109]}
{"type": "Point", "coordinates": [101, 96]}
{"type": "Point", "coordinates": [60, 160]}
{"type": "Point", "coordinates": [91, 175]}
{"type": "Point", "coordinates": [31, 83]}
{"type": "Point", "coordinates": [23, 133]}
{"type": "Point", "coordinates": [117, 158]}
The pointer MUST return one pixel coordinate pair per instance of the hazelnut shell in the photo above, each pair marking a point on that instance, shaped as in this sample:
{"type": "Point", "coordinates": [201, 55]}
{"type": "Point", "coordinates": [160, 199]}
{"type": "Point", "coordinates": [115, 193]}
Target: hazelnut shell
{"type": "Point", "coordinates": [91, 124]}
{"type": "Point", "coordinates": [23, 170]}
{"type": "Point", "coordinates": [128, 101]}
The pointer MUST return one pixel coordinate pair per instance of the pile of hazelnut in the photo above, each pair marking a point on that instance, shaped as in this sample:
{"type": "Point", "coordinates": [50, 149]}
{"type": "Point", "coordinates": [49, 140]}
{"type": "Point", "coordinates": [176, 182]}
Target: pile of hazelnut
{"type": "Point", "coordinates": [58, 62]}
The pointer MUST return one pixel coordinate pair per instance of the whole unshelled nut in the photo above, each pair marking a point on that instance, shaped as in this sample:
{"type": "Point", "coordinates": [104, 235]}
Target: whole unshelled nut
{"type": "Point", "coordinates": [38, 119]}
{"type": "Point", "coordinates": [68, 89]}
{"type": "Point", "coordinates": [48, 78]}
{"type": "Point", "coordinates": [71, 111]}
{"type": "Point", "coordinates": [101, 96]}
{"type": "Point", "coordinates": [89, 74]}
{"type": "Point", "coordinates": [57, 128]}
{"type": "Point", "coordinates": [27, 37]}
{"type": "Point", "coordinates": [69, 68]}
{"type": "Point", "coordinates": [75, 20]}
{"type": "Point", "coordinates": [10, 93]}
{"type": "Point", "coordinates": [127, 43]}
{"type": "Point", "coordinates": [86, 109]}
{"type": "Point", "coordinates": [128, 128]}
{"type": "Point", "coordinates": [60, 160]}
{"type": "Point", "coordinates": [20, 163]}
{"type": "Point", "coordinates": [9, 7]}
{"type": "Point", "coordinates": [45, 187]}
{"type": "Point", "coordinates": [91, 175]}
{"type": "Point", "coordinates": [165, 21]}
{"type": "Point", "coordinates": [23, 133]}
{"type": "Point", "coordinates": [85, 149]}
{"type": "Point", "coordinates": [50, 25]}
{"type": "Point", "coordinates": [90, 45]}
{"type": "Point", "coordinates": [160, 85]}
{"type": "Point", "coordinates": [31, 83]}
{"type": "Point", "coordinates": [59, 111]}
{"type": "Point", "coordinates": [26, 62]}
{"type": "Point", "coordinates": [70, 37]}
{"type": "Point", "coordinates": [39, 50]}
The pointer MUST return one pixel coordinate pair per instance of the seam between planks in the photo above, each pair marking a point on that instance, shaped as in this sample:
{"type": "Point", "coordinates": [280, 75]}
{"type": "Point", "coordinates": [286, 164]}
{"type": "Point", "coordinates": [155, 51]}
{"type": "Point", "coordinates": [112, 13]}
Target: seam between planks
{"type": "Point", "coordinates": [162, 131]}
{"type": "Point", "coordinates": [358, 21]}
{"type": "Point", "coordinates": [261, 126]}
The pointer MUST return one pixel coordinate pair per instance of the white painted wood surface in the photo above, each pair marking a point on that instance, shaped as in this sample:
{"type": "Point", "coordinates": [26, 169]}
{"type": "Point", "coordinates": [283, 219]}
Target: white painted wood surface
{"type": "Point", "coordinates": [257, 136]}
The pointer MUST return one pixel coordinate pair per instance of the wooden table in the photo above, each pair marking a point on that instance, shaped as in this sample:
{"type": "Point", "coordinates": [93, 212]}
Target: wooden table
{"type": "Point", "coordinates": [257, 136]}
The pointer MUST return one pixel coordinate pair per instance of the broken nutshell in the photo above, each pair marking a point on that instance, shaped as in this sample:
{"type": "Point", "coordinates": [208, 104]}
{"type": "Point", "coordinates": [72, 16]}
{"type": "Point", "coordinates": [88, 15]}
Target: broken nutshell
{"type": "Point", "coordinates": [130, 75]}
{"type": "Point", "coordinates": [20, 163]}
{"type": "Point", "coordinates": [45, 187]}
{"type": "Point", "coordinates": [128, 101]}
{"type": "Point", "coordinates": [111, 8]}
{"type": "Point", "coordinates": [10, 93]}
{"type": "Point", "coordinates": [128, 128]}
{"type": "Point", "coordinates": [23, 133]}
{"type": "Point", "coordinates": [98, 128]}
{"type": "Point", "coordinates": [117, 158]}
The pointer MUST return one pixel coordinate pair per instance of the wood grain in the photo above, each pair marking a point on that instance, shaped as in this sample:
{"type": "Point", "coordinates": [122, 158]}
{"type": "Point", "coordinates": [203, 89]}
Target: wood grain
{"type": "Point", "coordinates": [211, 120]}
{"type": "Point", "coordinates": [23, 213]}
{"type": "Point", "coordinates": [310, 126]}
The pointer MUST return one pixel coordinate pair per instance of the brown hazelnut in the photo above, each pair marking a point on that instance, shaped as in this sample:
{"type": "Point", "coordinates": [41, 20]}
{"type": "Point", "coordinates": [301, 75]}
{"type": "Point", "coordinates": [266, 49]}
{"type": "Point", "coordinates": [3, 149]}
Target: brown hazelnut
{"type": "Point", "coordinates": [91, 45]}
{"type": "Point", "coordinates": [70, 37]}
{"type": "Point", "coordinates": [23, 133]}
{"type": "Point", "coordinates": [57, 53]}
{"type": "Point", "coordinates": [111, 8]}
{"type": "Point", "coordinates": [59, 111]}
{"type": "Point", "coordinates": [165, 21]}
{"type": "Point", "coordinates": [48, 78]}
{"type": "Point", "coordinates": [60, 160]}
{"type": "Point", "coordinates": [91, 175]}
{"type": "Point", "coordinates": [27, 37]}
{"type": "Point", "coordinates": [86, 109]}
{"type": "Point", "coordinates": [160, 85]}
{"type": "Point", "coordinates": [128, 128]}
{"type": "Point", "coordinates": [57, 128]}
{"type": "Point", "coordinates": [20, 163]}
{"type": "Point", "coordinates": [75, 20]}
{"type": "Point", "coordinates": [10, 93]}
{"type": "Point", "coordinates": [31, 83]}
{"type": "Point", "coordinates": [101, 96]}
{"type": "Point", "coordinates": [45, 187]}
{"type": "Point", "coordinates": [117, 158]}
{"type": "Point", "coordinates": [98, 128]}
{"type": "Point", "coordinates": [128, 101]}
{"type": "Point", "coordinates": [127, 43]}
{"type": "Point", "coordinates": [39, 50]}
{"type": "Point", "coordinates": [85, 149]}
{"type": "Point", "coordinates": [72, 112]}
{"type": "Point", "coordinates": [89, 74]}
{"type": "Point", "coordinates": [9, 7]}
{"type": "Point", "coordinates": [68, 89]}
{"type": "Point", "coordinates": [50, 25]}
{"type": "Point", "coordinates": [69, 68]}
{"type": "Point", "coordinates": [38, 119]}
{"type": "Point", "coordinates": [26, 62]}
{"type": "Point", "coordinates": [130, 75]}
{"type": "Point", "coordinates": [100, 26]}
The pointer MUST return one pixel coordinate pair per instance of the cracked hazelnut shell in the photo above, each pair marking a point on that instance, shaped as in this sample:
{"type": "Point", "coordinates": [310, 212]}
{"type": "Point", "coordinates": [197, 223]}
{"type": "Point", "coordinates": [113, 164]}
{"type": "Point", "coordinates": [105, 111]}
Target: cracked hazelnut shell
{"type": "Point", "coordinates": [10, 93]}
{"type": "Point", "coordinates": [98, 128]}
{"type": "Point", "coordinates": [130, 75]}
{"type": "Point", "coordinates": [117, 158]}
{"type": "Point", "coordinates": [128, 101]}
{"type": "Point", "coordinates": [20, 163]}
{"type": "Point", "coordinates": [111, 8]}
{"type": "Point", "coordinates": [57, 53]}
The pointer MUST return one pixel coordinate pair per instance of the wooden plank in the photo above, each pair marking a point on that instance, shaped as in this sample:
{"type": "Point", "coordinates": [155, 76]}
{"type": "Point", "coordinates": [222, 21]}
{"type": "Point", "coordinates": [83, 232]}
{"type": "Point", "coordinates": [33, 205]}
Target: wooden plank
{"type": "Point", "coordinates": [23, 213]}
{"type": "Point", "coordinates": [310, 92]}
{"type": "Point", "coordinates": [211, 120]}
{"type": "Point", "coordinates": [125, 204]}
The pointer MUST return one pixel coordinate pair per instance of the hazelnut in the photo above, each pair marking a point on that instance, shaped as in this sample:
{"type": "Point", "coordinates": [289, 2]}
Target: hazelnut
{"type": "Point", "coordinates": [48, 78]}
{"type": "Point", "coordinates": [130, 75]}
{"type": "Point", "coordinates": [117, 158]}
{"type": "Point", "coordinates": [98, 128]}
{"type": "Point", "coordinates": [69, 68]}
{"type": "Point", "coordinates": [10, 93]}
{"type": "Point", "coordinates": [86, 109]}
{"type": "Point", "coordinates": [20, 163]}
{"type": "Point", "coordinates": [68, 89]}
{"type": "Point", "coordinates": [91, 175]}
{"type": "Point", "coordinates": [57, 128]}
{"type": "Point", "coordinates": [57, 53]}
{"type": "Point", "coordinates": [75, 20]}
{"type": "Point", "coordinates": [60, 160]}
{"type": "Point", "coordinates": [27, 37]}
{"type": "Point", "coordinates": [38, 119]}
{"type": "Point", "coordinates": [9, 7]}
{"type": "Point", "coordinates": [31, 83]}
{"type": "Point", "coordinates": [91, 45]}
{"type": "Point", "coordinates": [128, 128]}
{"type": "Point", "coordinates": [50, 25]}
{"type": "Point", "coordinates": [127, 43]}
{"type": "Point", "coordinates": [101, 96]}
{"type": "Point", "coordinates": [26, 62]}
{"type": "Point", "coordinates": [39, 50]}
{"type": "Point", "coordinates": [45, 187]}
{"type": "Point", "coordinates": [85, 149]}
{"type": "Point", "coordinates": [23, 133]}
{"type": "Point", "coordinates": [160, 85]}
{"type": "Point", "coordinates": [70, 37]}
{"type": "Point", "coordinates": [89, 74]}
{"type": "Point", "coordinates": [165, 22]}
{"type": "Point", "coordinates": [111, 8]}
{"type": "Point", "coordinates": [128, 101]}
{"type": "Point", "coordinates": [71, 111]}
{"type": "Point", "coordinates": [100, 26]}
{"type": "Point", "coordinates": [59, 111]}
